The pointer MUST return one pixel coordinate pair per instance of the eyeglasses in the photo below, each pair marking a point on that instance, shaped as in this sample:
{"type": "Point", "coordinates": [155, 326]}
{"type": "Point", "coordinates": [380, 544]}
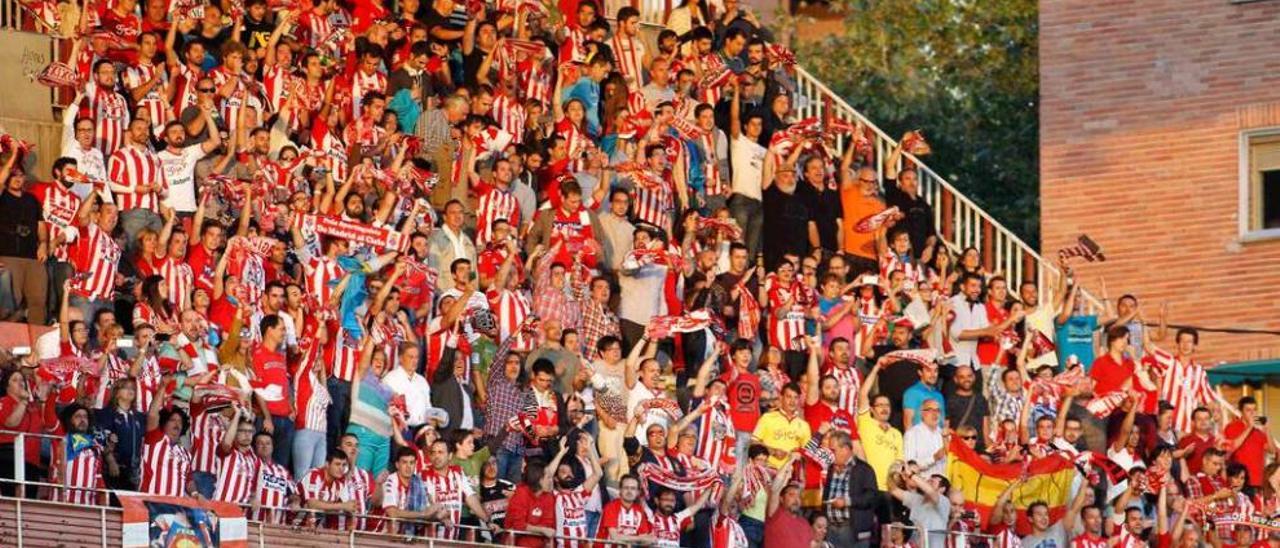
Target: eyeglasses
{"type": "Point", "coordinates": [205, 90]}
{"type": "Point", "coordinates": [930, 410]}
{"type": "Point", "coordinates": [969, 437]}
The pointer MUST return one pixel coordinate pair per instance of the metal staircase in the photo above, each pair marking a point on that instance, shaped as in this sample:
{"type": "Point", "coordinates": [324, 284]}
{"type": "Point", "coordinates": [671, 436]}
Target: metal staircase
{"type": "Point", "coordinates": [961, 223]}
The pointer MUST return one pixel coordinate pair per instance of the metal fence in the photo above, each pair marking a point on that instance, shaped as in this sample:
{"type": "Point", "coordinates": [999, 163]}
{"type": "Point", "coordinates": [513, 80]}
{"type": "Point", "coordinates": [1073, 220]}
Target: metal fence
{"type": "Point", "coordinates": [299, 519]}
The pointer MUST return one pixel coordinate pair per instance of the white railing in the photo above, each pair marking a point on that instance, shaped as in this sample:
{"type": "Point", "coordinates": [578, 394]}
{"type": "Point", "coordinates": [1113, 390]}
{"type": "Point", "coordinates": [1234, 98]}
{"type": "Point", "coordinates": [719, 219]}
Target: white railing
{"type": "Point", "coordinates": [961, 223]}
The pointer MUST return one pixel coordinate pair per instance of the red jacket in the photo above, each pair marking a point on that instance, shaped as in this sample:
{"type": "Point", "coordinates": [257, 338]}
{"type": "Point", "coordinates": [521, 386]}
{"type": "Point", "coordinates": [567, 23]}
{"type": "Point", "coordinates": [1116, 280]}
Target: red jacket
{"type": "Point", "coordinates": [526, 508]}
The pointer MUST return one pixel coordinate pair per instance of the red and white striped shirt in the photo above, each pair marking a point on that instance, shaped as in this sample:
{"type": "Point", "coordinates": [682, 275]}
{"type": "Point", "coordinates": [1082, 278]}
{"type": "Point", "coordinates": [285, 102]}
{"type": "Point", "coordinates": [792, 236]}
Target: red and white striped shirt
{"type": "Point", "coordinates": [180, 280]}
{"type": "Point", "coordinates": [716, 435]}
{"type": "Point", "coordinates": [333, 146]}
{"type": "Point", "coordinates": [652, 204]}
{"type": "Point", "coordinates": [571, 517]}
{"type": "Point", "coordinates": [83, 476]}
{"type": "Point", "coordinates": [278, 83]}
{"type": "Point", "coordinates": [712, 177]}
{"type": "Point", "coordinates": [131, 167]}
{"type": "Point", "coordinates": [271, 490]}
{"type": "Point", "coordinates": [849, 381]}
{"type": "Point", "coordinates": [185, 82]}
{"type": "Point", "coordinates": [346, 357]}
{"type": "Point", "coordinates": [511, 307]}
{"type": "Point", "coordinates": [667, 529]}
{"type": "Point", "coordinates": [206, 432]}
{"type": "Point", "coordinates": [311, 396]}
{"type": "Point", "coordinates": [154, 102]}
{"type": "Point", "coordinates": [361, 85]}
{"type": "Point", "coordinates": [319, 271]}
{"type": "Point", "coordinates": [98, 256]}
{"type": "Point", "coordinates": [628, 54]}
{"type": "Point", "coordinates": [111, 116]}
{"type": "Point", "coordinates": [148, 383]}
{"type": "Point", "coordinates": [726, 533]}
{"type": "Point", "coordinates": [58, 207]}
{"type": "Point", "coordinates": [237, 471]}
{"type": "Point", "coordinates": [166, 465]}
{"type": "Point", "coordinates": [317, 485]}
{"type": "Point", "coordinates": [449, 489]}
{"type": "Point", "coordinates": [785, 325]}
{"type": "Point", "coordinates": [229, 107]}
{"type": "Point", "coordinates": [497, 203]}
{"type": "Point", "coordinates": [317, 28]}
{"type": "Point", "coordinates": [395, 494]}
{"type": "Point", "coordinates": [510, 115]}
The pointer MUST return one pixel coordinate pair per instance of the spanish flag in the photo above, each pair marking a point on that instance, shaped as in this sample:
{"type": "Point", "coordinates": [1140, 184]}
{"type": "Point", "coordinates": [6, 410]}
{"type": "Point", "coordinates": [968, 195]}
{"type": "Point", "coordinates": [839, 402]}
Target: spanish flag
{"type": "Point", "coordinates": [1047, 479]}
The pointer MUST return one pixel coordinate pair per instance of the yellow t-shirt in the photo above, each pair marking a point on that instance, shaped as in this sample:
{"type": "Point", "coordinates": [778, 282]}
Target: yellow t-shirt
{"type": "Point", "coordinates": [777, 432]}
{"type": "Point", "coordinates": [881, 446]}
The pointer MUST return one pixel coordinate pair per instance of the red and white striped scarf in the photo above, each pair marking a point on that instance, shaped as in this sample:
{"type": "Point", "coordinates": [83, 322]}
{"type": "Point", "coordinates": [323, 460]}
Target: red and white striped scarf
{"type": "Point", "coordinates": [748, 312]}
{"type": "Point", "coordinates": [1048, 392]}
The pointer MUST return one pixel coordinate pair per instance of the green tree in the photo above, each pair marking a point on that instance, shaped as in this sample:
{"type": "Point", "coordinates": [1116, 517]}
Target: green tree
{"type": "Point", "coordinates": [964, 72]}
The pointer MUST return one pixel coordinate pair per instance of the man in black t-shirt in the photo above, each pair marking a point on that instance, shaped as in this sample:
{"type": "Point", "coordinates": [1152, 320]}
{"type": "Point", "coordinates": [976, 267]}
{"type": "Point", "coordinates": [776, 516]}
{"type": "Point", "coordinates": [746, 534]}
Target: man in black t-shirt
{"type": "Point", "coordinates": [24, 245]}
{"type": "Point", "coordinates": [895, 378]}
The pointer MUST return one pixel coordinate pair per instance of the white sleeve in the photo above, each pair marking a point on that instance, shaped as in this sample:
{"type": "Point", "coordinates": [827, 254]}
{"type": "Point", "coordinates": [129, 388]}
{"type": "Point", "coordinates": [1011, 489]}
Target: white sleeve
{"type": "Point", "coordinates": [390, 495]}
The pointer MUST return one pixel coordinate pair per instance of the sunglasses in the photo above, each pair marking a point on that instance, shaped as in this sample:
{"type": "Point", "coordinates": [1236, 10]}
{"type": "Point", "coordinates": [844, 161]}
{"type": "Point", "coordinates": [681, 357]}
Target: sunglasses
{"type": "Point", "coordinates": [205, 90]}
{"type": "Point", "coordinates": [969, 438]}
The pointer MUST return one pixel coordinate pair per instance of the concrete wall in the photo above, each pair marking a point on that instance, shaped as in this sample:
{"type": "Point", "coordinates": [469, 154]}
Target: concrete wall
{"type": "Point", "coordinates": [1143, 105]}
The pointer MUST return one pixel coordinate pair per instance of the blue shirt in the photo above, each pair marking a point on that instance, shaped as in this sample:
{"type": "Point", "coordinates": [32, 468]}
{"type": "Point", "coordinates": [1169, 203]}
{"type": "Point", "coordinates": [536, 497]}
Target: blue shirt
{"type": "Point", "coordinates": [915, 397]}
{"type": "Point", "coordinates": [1075, 338]}
{"type": "Point", "coordinates": [587, 91]}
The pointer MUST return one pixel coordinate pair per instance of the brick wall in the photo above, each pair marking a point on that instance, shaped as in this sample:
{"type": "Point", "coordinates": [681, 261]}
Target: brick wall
{"type": "Point", "coordinates": [1142, 107]}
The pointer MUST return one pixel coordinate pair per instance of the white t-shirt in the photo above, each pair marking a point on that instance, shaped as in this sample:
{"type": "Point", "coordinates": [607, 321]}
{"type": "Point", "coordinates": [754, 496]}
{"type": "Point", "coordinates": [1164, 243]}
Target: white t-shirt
{"type": "Point", "coordinates": [180, 168]}
{"type": "Point", "coordinates": [748, 167]}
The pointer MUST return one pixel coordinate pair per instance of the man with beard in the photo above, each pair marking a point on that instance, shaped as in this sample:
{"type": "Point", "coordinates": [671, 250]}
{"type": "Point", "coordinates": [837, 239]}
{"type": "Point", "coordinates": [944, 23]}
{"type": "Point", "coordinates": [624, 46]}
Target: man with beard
{"type": "Point", "coordinates": [785, 526]}
{"type": "Point", "coordinates": [179, 161]}
{"type": "Point", "coordinates": [447, 486]}
{"type": "Point", "coordinates": [78, 467]}
{"type": "Point", "coordinates": [571, 516]}
{"type": "Point", "coordinates": [964, 405]}
{"type": "Point", "coordinates": [59, 207]}
{"type": "Point", "coordinates": [668, 524]}
{"type": "Point", "coordinates": [625, 519]}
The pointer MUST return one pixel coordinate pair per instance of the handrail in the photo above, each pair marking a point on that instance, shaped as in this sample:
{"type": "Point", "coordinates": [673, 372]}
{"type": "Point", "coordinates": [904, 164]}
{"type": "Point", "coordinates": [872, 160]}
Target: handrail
{"type": "Point", "coordinates": [301, 515]}
{"type": "Point", "coordinates": [968, 217]}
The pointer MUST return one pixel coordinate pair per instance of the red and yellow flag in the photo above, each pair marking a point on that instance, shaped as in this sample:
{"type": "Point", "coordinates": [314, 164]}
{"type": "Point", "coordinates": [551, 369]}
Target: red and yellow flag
{"type": "Point", "coordinates": [1047, 479]}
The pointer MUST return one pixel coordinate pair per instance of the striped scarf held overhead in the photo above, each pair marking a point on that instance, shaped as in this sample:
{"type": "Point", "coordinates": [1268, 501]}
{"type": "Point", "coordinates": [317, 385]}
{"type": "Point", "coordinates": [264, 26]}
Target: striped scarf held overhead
{"type": "Point", "coordinates": [691, 481]}
{"type": "Point", "coordinates": [1046, 393]}
{"type": "Point", "coordinates": [372, 407]}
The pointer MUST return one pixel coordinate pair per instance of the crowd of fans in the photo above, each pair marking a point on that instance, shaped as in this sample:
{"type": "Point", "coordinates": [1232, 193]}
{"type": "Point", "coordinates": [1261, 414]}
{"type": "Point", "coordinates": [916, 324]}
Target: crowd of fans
{"type": "Point", "coordinates": [512, 269]}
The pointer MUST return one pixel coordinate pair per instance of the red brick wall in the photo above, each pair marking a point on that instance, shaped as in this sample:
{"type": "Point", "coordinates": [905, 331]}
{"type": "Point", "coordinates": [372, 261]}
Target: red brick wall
{"type": "Point", "coordinates": [1143, 103]}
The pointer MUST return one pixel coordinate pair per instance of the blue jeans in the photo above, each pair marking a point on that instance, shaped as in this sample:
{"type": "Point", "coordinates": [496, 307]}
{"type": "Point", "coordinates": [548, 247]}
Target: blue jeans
{"type": "Point", "coordinates": [509, 466]}
{"type": "Point", "coordinates": [749, 213]}
{"type": "Point", "coordinates": [754, 529]}
{"type": "Point", "coordinates": [205, 482]}
{"type": "Point", "coordinates": [309, 449]}
{"type": "Point", "coordinates": [281, 438]}
{"type": "Point", "coordinates": [593, 523]}
{"type": "Point", "coordinates": [339, 411]}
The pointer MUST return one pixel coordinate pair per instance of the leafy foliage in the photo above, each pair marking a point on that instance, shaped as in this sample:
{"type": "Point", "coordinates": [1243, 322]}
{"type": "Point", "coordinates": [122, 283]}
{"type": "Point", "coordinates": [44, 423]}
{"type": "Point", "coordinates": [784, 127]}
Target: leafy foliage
{"type": "Point", "coordinates": [964, 71]}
